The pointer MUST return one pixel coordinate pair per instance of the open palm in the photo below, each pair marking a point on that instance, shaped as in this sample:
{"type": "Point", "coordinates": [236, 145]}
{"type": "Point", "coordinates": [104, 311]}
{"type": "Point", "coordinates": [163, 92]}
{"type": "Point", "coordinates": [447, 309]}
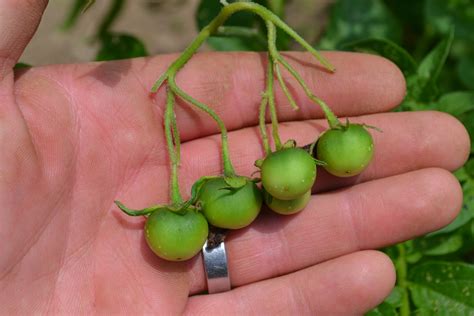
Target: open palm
{"type": "Point", "coordinates": [76, 137]}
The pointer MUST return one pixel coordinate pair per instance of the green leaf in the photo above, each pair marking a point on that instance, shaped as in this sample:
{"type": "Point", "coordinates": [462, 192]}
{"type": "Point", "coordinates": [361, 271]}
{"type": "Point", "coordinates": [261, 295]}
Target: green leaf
{"type": "Point", "coordinates": [236, 182]}
{"type": "Point", "coordinates": [208, 10]}
{"type": "Point", "coordinates": [392, 252]}
{"type": "Point", "coordinates": [387, 49]}
{"type": "Point", "coordinates": [456, 103]}
{"type": "Point", "coordinates": [468, 120]}
{"type": "Point", "coordinates": [466, 214]}
{"type": "Point", "coordinates": [411, 15]}
{"type": "Point", "coordinates": [196, 188]}
{"type": "Point", "coordinates": [432, 64]}
{"type": "Point", "coordinates": [354, 20]}
{"type": "Point", "coordinates": [443, 288]}
{"type": "Point", "coordinates": [442, 14]}
{"type": "Point", "coordinates": [467, 210]}
{"type": "Point", "coordinates": [439, 244]}
{"type": "Point", "coordinates": [395, 297]}
{"type": "Point", "coordinates": [142, 212]}
{"type": "Point", "coordinates": [465, 70]}
{"type": "Point", "coordinates": [120, 46]}
{"type": "Point", "coordinates": [383, 309]}
{"type": "Point", "coordinates": [461, 174]}
{"type": "Point", "coordinates": [22, 65]}
{"type": "Point", "coordinates": [414, 257]}
{"type": "Point", "coordinates": [469, 169]}
{"type": "Point", "coordinates": [422, 87]}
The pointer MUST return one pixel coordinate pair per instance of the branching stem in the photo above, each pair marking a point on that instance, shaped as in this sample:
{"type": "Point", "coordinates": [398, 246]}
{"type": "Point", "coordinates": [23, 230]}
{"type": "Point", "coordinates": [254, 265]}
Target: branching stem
{"type": "Point", "coordinates": [228, 167]}
{"type": "Point", "coordinates": [401, 266]}
{"type": "Point", "coordinates": [278, 59]}
{"type": "Point", "coordinates": [212, 28]}
{"type": "Point", "coordinates": [219, 20]}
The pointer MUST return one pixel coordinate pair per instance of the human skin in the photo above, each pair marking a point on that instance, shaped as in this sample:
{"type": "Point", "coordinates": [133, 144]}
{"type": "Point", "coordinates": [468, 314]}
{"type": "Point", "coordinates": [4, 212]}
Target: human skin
{"type": "Point", "coordinates": [76, 137]}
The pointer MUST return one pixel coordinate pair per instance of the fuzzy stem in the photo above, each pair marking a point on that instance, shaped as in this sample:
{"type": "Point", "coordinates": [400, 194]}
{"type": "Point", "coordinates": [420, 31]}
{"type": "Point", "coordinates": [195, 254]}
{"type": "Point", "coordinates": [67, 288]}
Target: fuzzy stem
{"type": "Point", "coordinates": [242, 32]}
{"type": "Point", "coordinates": [143, 212]}
{"type": "Point", "coordinates": [212, 28]}
{"type": "Point", "coordinates": [311, 148]}
{"type": "Point", "coordinates": [271, 102]}
{"type": "Point", "coordinates": [277, 7]}
{"type": "Point", "coordinates": [269, 89]}
{"type": "Point", "coordinates": [330, 116]}
{"type": "Point", "coordinates": [285, 89]}
{"type": "Point", "coordinates": [401, 266]}
{"type": "Point", "coordinates": [176, 137]}
{"type": "Point", "coordinates": [228, 167]}
{"type": "Point", "coordinates": [262, 125]}
{"type": "Point", "coordinates": [175, 194]}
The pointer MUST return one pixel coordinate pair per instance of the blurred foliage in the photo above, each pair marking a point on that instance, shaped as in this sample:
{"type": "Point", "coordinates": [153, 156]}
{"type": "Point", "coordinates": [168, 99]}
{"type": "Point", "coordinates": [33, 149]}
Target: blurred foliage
{"type": "Point", "coordinates": [432, 41]}
{"type": "Point", "coordinates": [354, 20]}
{"type": "Point", "coordinates": [433, 44]}
{"type": "Point", "coordinates": [113, 45]}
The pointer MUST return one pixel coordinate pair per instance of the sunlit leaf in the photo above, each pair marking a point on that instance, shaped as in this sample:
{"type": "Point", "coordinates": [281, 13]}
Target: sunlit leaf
{"type": "Point", "coordinates": [423, 86]}
{"type": "Point", "coordinates": [443, 288]}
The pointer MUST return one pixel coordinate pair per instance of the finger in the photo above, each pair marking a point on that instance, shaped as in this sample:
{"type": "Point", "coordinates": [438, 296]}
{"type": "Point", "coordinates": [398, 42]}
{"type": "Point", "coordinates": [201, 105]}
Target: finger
{"type": "Point", "coordinates": [349, 285]}
{"type": "Point", "coordinates": [366, 216]}
{"type": "Point", "coordinates": [232, 84]}
{"type": "Point", "coordinates": [409, 141]}
{"type": "Point", "coordinates": [19, 164]}
{"type": "Point", "coordinates": [18, 22]}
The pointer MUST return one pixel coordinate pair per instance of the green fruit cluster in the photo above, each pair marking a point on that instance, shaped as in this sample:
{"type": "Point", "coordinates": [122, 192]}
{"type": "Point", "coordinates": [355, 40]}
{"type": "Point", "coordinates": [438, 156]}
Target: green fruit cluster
{"type": "Point", "coordinates": [178, 231]}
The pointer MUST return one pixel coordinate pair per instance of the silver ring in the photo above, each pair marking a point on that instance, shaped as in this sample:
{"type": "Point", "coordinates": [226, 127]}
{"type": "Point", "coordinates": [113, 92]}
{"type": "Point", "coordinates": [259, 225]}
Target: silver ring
{"type": "Point", "coordinates": [217, 271]}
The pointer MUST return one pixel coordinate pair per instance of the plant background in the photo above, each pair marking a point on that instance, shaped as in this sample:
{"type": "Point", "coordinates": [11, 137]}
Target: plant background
{"type": "Point", "coordinates": [432, 41]}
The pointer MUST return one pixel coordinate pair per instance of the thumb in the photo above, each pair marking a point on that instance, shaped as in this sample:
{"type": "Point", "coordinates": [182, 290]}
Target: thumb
{"type": "Point", "coordinates": [19, 20]}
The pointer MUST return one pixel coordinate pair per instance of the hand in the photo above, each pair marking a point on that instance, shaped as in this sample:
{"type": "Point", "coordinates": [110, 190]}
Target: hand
{"type": "Point", "coordinates": [75, 137]}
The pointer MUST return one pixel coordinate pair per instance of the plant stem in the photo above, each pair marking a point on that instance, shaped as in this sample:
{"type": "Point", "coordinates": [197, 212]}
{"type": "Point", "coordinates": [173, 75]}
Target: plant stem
{"type": "Point", "coordinates": [228, 167]}
{"type": "Point", "coordinates": [271, 19]}
{"type": "Point", "coordinates": [330, 116]}
{"type": "Point", "coordinates": [271, 102]}
{"type": "Point", "coordinates": [401, 266]}
{"type": "Point", "coordinates": [175, 194]}
{"type": "Point", "coordinates": [176, 136]}
{"type": "Point", "coordinates": [243, 32]}
{"type": "Point", "coordinates": [285, 89]}
{"type": "Point", "coordinates": [262, 125]}
{"type": "Point", "coordinates": [277, 7]}
{"type": "Point", "coordinates": [219, 20]}
{"type": "Point", "coordinates": [143, 212]}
